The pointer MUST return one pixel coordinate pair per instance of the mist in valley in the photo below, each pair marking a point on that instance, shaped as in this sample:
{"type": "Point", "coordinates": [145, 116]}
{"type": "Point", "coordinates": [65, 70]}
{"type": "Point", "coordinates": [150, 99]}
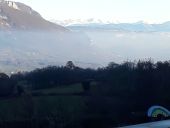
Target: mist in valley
{"type": "Point", "coordinates": [27, 50]}
{"type": "Point", "coordinates": [122, 46]}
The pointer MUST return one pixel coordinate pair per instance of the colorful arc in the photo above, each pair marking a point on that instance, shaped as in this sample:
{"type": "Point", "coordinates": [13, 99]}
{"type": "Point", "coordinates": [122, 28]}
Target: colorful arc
{"type": "Point", "coordinates": [156, 111]}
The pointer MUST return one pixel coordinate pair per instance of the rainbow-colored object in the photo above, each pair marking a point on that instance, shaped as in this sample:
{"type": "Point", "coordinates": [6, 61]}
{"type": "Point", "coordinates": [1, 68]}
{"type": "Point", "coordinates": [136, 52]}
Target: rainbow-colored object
{"type": "Point", "coordinates": [156, 111]}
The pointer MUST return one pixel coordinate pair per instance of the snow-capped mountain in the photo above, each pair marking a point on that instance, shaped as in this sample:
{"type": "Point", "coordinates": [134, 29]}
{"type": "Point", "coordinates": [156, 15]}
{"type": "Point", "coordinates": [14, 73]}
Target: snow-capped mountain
{"type": "Point", "coordinates": [131, 27]}
{"type": "Point", "coordinates": [70, 22]}
{"type": "Point", "coordinates": [134, 27]}
{"type": "Point", "coordinates": [93, 24]}
{"type": "Point", "coordinates": [15, 15]}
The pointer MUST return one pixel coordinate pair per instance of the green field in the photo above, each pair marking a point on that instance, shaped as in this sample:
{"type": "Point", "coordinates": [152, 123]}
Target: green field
{"type": "Point", "coordinates": [75, 88]}
{"type": "Point", "coordinates": [28, 106]}
{"type": "Point", "coordinates": [65, 110]}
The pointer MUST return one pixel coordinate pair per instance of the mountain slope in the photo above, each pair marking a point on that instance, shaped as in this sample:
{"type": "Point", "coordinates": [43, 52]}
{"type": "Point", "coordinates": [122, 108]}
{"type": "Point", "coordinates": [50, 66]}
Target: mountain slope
{"type": "Point", "coordinates": [15, 15]}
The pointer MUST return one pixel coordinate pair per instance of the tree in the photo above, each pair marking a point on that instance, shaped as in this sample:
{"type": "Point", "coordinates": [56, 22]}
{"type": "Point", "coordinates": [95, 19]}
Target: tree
{"type": "Point", "coordinates": [6, 85]}
{"type": "Point", "coordinates": [70, 65]}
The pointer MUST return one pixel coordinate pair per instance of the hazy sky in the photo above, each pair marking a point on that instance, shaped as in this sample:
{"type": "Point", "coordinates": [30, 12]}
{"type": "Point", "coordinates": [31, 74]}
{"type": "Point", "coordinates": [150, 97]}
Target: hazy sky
{"type": "Point", "coordinates": [113, 10]}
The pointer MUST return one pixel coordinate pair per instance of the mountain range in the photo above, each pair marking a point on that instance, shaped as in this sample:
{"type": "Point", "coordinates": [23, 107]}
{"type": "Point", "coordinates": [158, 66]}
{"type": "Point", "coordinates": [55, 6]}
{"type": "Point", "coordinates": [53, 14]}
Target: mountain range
{"type": "Point", "coordinates": [92, 24]}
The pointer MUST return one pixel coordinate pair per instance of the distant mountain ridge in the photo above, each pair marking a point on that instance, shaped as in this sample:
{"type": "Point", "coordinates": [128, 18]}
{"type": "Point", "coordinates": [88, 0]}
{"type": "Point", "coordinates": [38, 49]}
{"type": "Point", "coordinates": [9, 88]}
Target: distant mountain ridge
{"type": "Point", "coordinates": [132, 27]}
{"type": "Point", "coordinates": [16, 15]}
{"type": "Point", "coordinates": [92, 24]}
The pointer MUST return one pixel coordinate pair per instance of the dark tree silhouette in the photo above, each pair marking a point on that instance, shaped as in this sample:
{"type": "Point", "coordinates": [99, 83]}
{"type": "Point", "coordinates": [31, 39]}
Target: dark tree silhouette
{"type": "Point", "coordinates": [70, 65]}
{"type": "Point", "coordinates": [6, 85]}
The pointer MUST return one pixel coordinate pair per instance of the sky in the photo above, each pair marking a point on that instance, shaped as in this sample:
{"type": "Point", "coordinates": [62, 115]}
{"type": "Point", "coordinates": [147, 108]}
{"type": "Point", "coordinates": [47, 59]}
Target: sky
{"type": "Point", "coordinates": [151, 11]}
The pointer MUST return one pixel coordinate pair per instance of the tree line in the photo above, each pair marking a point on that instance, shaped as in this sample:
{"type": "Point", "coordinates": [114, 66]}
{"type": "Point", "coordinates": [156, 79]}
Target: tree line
{"type": "Point", "coordinates": [146, 77]}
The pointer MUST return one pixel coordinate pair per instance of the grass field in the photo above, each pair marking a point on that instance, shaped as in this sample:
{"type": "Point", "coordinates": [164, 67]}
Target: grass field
{"type": "Point", "coordinates": [16, 107]}
{"type": "Point", "coordinates": [66, 109]}
{"type": "Point", "coordinates": [75, 88]}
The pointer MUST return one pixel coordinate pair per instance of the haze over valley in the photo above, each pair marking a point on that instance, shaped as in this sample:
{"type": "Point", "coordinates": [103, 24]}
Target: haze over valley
{"type": "Point", "coordinates": [27, 41]}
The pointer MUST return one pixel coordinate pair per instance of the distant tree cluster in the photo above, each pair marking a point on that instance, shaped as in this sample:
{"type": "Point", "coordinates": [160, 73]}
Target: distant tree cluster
{"type": "Point", "coordinates": [55, 76]}
{"type": "Point", "coordinates": [144, 76]}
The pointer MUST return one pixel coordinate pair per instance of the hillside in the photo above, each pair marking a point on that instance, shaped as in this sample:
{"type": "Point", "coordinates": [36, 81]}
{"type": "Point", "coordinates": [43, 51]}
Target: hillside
{"type": "Point", "coordinates": [15, 15]}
